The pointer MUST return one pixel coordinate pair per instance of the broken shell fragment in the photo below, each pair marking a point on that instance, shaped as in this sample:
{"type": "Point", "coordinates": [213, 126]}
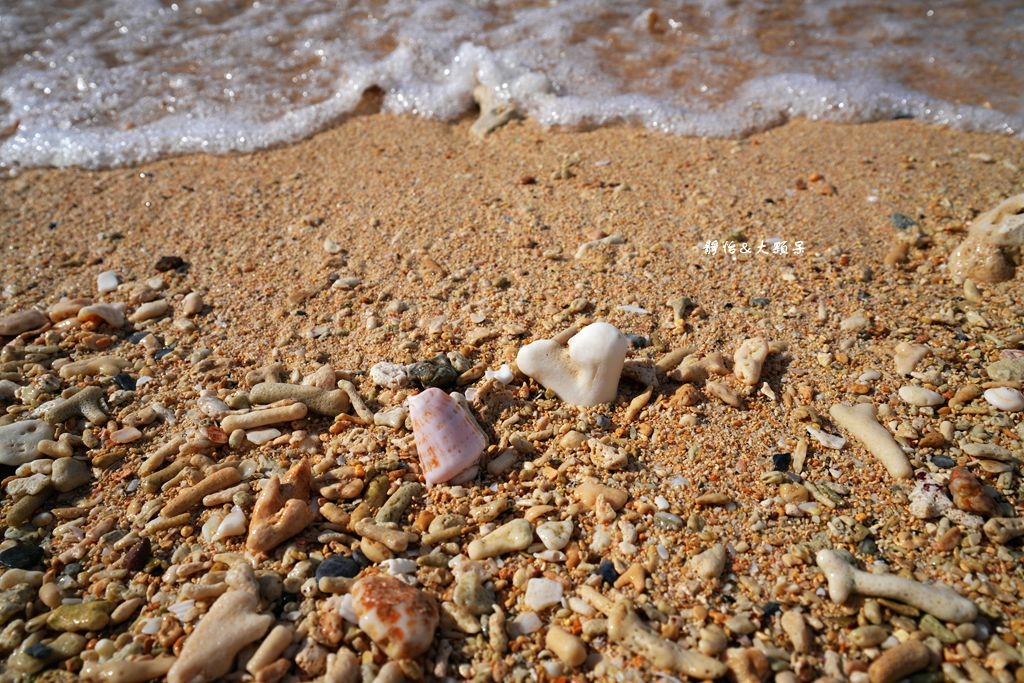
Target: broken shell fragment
{"type": "Point", "coordinates": [400, 619]}
{"type": "Point", "coordinates": [992, 250]}
{"type": "Point", "coordinates": [448, 439]}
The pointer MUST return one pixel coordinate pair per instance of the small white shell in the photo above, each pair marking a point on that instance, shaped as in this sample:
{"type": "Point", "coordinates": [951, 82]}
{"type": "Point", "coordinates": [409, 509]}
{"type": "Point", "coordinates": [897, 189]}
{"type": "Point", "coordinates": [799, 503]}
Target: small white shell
{"type": "Point", "coordinates": [232, 525]}
{"type": "Point", "coordinates": [827, 440]}
{"type": "Point", "coordinates": [1005, 398]}
{"type": "Point", "coordinates": [448, 439]}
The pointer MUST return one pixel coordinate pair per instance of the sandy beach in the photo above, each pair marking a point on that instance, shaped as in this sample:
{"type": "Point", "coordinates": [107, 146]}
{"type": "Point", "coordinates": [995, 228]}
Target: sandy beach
{"type": "Point", "coordinates": [394, 239]}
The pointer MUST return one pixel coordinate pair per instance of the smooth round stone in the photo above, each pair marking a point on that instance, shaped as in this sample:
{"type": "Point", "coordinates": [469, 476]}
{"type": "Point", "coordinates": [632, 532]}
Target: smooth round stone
{"type": "Point", "coordinates": [943, 461]}
{"type": "Point", "coordinates": [124, 381]}
{"type": "Point", "coordinates": [337, 565]}
{"type": "Point", "coordinates": [68, 474]}
{"type": "Point", "coordinates": [21, 556]}
{"type": "Point", "coordinates": [920, 397]}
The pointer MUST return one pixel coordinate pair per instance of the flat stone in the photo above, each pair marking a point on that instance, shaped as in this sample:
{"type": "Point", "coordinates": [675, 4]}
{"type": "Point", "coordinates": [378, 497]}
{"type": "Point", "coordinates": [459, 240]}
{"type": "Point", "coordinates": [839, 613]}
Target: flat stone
{"type": "Point", "coordinates": [107, 281]}
{"type": "Point", "coordinates": [338, 565]}
{"type": "Point", "coordinates": [13, 601]}
{"type": "Point", "coordinates": [14, 324]}
{"type": "Point", "coordinates": [1007, 370]}
{"type": "Point", "coordinates": [19, 441]}
{"type": "Point", "coordinates": [85, 616]}
{"type": "Point", "coordinates": [920, 397]}
{"type": "Point", "coordinates": [542, 593]}
{"type": "Point", "coordinates": [68, 474]}
{"type": "Point", "coordinates": [21, 556]}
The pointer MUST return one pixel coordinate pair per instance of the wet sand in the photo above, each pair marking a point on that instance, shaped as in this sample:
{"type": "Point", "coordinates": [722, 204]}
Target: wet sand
{"type": "Point", "coordinates": [396, 239]}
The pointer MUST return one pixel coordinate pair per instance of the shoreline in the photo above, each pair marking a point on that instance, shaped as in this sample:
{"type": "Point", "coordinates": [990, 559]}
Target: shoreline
{"type": "Point", "coordinates": [393, 239]}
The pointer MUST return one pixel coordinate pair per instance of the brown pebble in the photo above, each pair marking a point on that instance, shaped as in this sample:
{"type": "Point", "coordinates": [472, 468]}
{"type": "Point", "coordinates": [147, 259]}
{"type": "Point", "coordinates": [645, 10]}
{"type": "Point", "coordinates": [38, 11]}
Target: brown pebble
{"type": "Point", "coordinates": [899, 662]}
{"type": "Point", "coordinates": [969, 494]}
{"type": "Point", "coordinates": [949, 540]}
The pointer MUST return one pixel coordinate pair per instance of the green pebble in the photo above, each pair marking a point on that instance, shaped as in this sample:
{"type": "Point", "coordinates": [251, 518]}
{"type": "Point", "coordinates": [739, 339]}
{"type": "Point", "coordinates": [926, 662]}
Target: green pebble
{"type": "Point", "coordinates": [85, 616]}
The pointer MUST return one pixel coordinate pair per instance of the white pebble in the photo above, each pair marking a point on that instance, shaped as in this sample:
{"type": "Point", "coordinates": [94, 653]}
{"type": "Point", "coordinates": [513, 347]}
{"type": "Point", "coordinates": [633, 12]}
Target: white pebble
{"type": "Point", "coordinates": [832, 441]}
{"type": "Point", "coordinates": [555, 535]}
{"type": "Point", "coordinates": [1005, 398]}
{"type": "Point", "coordinates": [107, 281]}
{"type": "Point", "coordinates": [543, 593]}
{"type": "Point", "coordinates": [126, 435]}
{"type": "Point", "coordinates": [399, 565]}
{"type": "Point", "coordinates": [503, 374]}
{"type": "Point", "coordinates": [869, 376]}
{"type": "Point", "coordinates": [232, 525]}
{"type": "Point", "coordinates": [919, 396]}
{"type": "Point", "coordinates": [524, 624]}
{"type": "Point", "coordinates": [262, 436]}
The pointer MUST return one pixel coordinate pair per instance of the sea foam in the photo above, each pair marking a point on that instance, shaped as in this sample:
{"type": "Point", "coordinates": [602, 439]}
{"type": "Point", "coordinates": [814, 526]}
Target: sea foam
{"type": "Point", "coordinates": [119, 82]}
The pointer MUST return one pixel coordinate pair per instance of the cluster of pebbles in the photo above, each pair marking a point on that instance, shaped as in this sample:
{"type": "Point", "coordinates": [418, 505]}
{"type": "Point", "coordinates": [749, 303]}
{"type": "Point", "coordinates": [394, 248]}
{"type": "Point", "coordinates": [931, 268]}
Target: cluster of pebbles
{"type": "Point", "coordinates": [596, 508]}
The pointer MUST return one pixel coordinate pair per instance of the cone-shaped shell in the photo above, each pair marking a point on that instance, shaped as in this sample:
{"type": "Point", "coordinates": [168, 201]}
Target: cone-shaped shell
{"type": "Point", "coordinates": [448, 439]}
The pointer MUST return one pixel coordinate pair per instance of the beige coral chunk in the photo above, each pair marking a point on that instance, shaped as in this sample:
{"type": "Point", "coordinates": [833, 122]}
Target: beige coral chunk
{"type": "Point", "coordinates": [232, 623]}
{"type": "Point", "coordinates": [992, 250]}
{"type": "Point", "coordinates": [749, 360]}
{"type": "Point", "coordinates": [282, 509]}
{"type": "Point", "coordinates": [100, 365]}
{"type": "Point", "coordinates": [627, 630]}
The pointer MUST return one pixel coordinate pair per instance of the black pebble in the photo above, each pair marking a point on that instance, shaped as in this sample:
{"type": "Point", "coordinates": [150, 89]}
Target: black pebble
{"type": "Point", "coordinates": [363, 560]}
{"type": "Point", "coordinates": [165, 263]}
{"type": "Point", "coordinates": [39, 651]}
{"type": "Point", "coordinates": [943, 461]}
{"type": "Point", "coordinates": [162, 352]}
{"type": "Point", "coordinates": [781, 461]}
{"type": "Point", "coordinates": [337, 565]}
{"type": "Point", "coordinates": [21, 556]}
{"type": "Point", "coordinates": [769, 610]}
{"type": "Point", "coordinates": [124, 381]}
{"type": "Point", "coordinates": [136, 337]}
{"type": "Point", "coordinates": [637, 341]}
{"type": "Point", "coordinates": [606, 570]}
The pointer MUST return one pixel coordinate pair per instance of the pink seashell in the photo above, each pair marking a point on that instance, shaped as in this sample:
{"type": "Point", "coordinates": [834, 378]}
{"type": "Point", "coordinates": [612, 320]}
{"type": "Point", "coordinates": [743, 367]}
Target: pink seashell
{"type": "Point", "coordinates": [448, 439]}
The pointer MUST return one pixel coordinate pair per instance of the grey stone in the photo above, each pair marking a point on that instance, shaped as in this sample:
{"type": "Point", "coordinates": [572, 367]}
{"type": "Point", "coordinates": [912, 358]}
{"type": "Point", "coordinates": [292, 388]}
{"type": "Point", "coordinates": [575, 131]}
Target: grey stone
{"type": "Point", "coordinates": [19, 441]}
{"type": "Point", "coordinates": [68, 474]}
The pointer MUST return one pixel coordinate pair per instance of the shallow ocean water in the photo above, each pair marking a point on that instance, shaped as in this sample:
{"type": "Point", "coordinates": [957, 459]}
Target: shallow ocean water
{"type": "Point", "coordinates": [99, 84]}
